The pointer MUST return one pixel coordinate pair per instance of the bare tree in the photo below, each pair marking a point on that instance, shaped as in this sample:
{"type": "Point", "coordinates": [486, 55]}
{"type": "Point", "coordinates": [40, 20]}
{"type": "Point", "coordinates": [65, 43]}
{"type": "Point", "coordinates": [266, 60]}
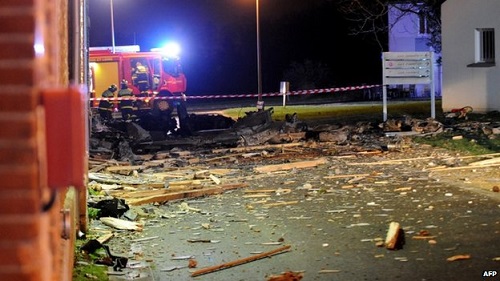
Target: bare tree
{"type": "Point", "coordinates": [370, 17]}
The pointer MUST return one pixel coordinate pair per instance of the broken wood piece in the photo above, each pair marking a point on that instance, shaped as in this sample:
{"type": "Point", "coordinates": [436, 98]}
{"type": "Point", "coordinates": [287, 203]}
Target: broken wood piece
{"type": "Point", "coordinates": [97, 168]}
{"type": "Point", "coordinates": [145, 239]}
{"type": "Point", "coordinates": [441, 169]}
{"type": "Point", "coordinates": [356, 179]}
{"type": "Point", "coordinates": [256, 195]}
{"type": "Point", "coordinates": [392, 237]}
{"type": "Point", "coordinates": [121, 224]}
{"type": "Point", "coordinates": [105, 238]}
{"type": "Point", "coordinates": [151, 192]}
{"type": "Point", "coordinates": [260, 191]}
{"type": "Point", "coordinates": [255, 147]}
{"type": "Point", "coordinates": [486, 162]}
{"type": "Point", "coordinates": [173, 267]}
{"type": "Point", "coordinates": [115, 169]}
{"type": "Point", "coordinates": [458, 257]}
{"type": "Point", "coordinates": [239, 261]}
{"type": "Point", "coordinates": [223, 157]}
{"type": "Point", "coordinates": [184, 183]}
{"type": "Point", "coordinates": [279, 190]}
{"type": "Point", "coordinates": [350, 176]}
{"type": "Point", "coordinates": [400, 189]}
{"type": "Point", "coordinates": [289, 166]}
{"type": "Point", "coordinates": [286, 276]}
{"type": "Point", "coordinates": [329, 271]}
{"type": "Point", "coordinates": [215, 179]}
{"type": "Point", "coordinates": [180, 153]}
{"type": "Point", "coordinates": [185, 207]}
{"type": "Point", "coordinates": [251, 154]}
{"type": "Point", "coordinates": [185, 194]}
{"type": "Point", "coordinates": [391, 162]}
{"type": "Point", "coordinates": [423, 237]}
{"type": "Point", "coordinates": [279, 204]}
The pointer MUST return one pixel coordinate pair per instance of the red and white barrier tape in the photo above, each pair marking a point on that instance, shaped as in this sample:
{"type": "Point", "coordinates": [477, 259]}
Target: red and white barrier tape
{"type": "Point", "coordinates": [294, 93]}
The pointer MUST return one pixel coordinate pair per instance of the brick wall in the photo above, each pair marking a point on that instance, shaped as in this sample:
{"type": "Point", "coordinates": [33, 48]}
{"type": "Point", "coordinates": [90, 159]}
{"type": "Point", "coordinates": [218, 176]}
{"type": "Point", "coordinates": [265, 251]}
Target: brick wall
{"type": "Point", "coordinates": [30, 244]}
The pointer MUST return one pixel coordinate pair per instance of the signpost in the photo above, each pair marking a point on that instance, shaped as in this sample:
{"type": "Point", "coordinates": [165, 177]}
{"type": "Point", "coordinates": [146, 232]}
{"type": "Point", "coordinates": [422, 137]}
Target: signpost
{"type": "Point", "coordinates": [408, 68]}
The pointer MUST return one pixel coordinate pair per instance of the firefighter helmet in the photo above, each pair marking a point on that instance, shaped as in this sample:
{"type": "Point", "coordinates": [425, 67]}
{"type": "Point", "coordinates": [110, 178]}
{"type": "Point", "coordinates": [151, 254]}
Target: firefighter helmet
{"type": "Point", "coordinates": [124, 84]}
{"type": "Point", "coordinates": [113, 88]}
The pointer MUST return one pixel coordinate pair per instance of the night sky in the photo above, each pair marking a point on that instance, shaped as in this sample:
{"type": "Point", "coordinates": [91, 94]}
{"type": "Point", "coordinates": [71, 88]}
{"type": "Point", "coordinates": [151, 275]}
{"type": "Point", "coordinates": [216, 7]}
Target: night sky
{"type": "Point", "coordinates": [218, 40]}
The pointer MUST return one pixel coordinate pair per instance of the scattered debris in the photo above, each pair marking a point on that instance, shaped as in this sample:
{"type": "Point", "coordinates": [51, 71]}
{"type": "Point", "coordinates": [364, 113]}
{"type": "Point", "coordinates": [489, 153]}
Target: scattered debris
{"type": "Point", "coordinates": [182, 257]}
{"type": "Point", "coordinates": [287, 276]}
{"type": "Point", "coordinates": [288, 166]}
{"type": "Point", "coordinates": [110, 207]}
{"type": "Point", "coordinates": [240, 261]}
{"type": "Point", "coordinates": [147, 169]}
{"type": "Point", "coordinates": [329, 271]}
{"type": "Point", "coordinates": [395, 237]}
{"type": "Point", "coordinates": [458, 257]}
{"type": "Point", "coordinates": [121, 224]}
{"type": "Point", "coordinates": [460, 112]}
{"type": "Point", "coordinates": [118, 263]}
{"type": "Point", "coordinates": [192, 263]}
{"type": "Point", "coordinates": [172, 268]}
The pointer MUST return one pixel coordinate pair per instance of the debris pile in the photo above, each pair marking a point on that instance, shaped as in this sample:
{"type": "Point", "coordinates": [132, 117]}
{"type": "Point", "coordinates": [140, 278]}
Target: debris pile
{"type": "Point", "coordinates": [130, 140]}
{"type": "Point", "coordinates": [273, 176]}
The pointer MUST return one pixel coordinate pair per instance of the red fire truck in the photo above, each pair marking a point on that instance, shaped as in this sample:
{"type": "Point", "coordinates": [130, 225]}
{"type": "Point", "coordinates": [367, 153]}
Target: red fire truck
{"type": "Point", "coordinates": [155, 77]}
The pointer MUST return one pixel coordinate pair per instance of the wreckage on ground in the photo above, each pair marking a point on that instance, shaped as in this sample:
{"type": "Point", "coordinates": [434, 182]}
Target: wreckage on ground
{"type": "Point", "coordinates": [128, 140]}
{"type": "Point", "coordinates": [123, 139]}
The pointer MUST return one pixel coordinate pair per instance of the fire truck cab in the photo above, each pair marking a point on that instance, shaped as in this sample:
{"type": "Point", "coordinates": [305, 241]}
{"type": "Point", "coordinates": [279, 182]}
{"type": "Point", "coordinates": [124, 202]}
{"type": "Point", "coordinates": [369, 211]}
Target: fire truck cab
{"type": "Point", "coordinates": [154, 77]}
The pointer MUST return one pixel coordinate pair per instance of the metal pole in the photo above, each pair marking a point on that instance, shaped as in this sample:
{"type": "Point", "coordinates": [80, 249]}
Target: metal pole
{"type": "Point", "coordinates": [112, 27]}
{"type": "Point", "coordinates": [259, 76]}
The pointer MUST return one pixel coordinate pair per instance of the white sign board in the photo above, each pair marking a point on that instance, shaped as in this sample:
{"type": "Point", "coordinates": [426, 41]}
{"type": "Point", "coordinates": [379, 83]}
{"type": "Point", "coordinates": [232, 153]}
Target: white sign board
{"type": "Point", "coordinates": [408, 68]}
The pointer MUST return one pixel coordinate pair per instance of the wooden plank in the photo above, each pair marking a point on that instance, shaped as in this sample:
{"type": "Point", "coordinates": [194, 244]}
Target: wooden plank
{"type": "Point", "coordinates": [186, 194]}
{"type": "Point", "coordinates": [124, 168]}
{"type": "Point", "coordinates": [240, 261]}
{"type": "Point", "coordinates": [150, 193]}
{"type": "Point", "coordinates": [440, 169]}
{"type": "Point", "coordinates": [256, 147]}
{"type": "Point", "coordinates": [346, 176]}
{"type": "Point", "coordinates": [487, 162]}
{"type": "Point", "coordinates": [270, 205]}
{"type": "Point", "coordinates": [289, 166]}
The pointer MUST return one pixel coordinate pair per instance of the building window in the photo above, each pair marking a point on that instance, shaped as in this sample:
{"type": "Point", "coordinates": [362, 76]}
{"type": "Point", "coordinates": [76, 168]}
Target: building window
{"type": "Point", "coordinates": [423, 26]}
{"type": "Point", "coordinates": [485, 45]}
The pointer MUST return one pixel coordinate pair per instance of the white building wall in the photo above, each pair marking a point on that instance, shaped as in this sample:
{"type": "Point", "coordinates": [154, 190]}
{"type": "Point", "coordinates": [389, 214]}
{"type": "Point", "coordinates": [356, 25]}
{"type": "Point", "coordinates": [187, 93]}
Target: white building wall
{"type": "Point", "coordinates": [478, 87]}
{"type": "Point", "coordinates": [404, 36]}
{"type": "Point", "coordinates": [404, 30]}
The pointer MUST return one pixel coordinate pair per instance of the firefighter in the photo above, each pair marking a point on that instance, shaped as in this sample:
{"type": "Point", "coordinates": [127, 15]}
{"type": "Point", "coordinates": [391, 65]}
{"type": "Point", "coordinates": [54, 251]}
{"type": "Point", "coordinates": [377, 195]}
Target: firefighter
{"type": "Point", "coordinates": [127, 105]}
{"type": "Point", "coordinates": [105, 106]}
{"type": "Point", "coordinates": [140, 77]}
{"type": "Point", "coordinates": [139, 68]}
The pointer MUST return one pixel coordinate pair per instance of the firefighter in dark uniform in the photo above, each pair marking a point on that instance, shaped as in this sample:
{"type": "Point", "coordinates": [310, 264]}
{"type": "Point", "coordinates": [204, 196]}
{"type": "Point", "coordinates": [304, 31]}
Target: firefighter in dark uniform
{"type": "Point", "coordinates": [127, 105]}
{"type": "Point", "coordinates": [105, 106]}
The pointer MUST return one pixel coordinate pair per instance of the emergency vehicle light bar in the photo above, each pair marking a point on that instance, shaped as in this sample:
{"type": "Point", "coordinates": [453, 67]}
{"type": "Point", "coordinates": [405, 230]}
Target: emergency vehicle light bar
{"type": "Point", "coordinates": [118, 49]}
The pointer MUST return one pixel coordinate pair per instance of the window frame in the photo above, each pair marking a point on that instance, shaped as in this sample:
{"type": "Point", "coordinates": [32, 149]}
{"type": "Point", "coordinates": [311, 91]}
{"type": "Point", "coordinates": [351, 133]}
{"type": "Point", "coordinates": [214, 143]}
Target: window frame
{"type": "Point", "coordinates": [484, 47]}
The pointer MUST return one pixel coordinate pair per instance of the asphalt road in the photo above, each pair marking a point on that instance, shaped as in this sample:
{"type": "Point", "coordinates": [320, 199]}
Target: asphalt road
{"type": "Point", "coordinates": [332, 224]}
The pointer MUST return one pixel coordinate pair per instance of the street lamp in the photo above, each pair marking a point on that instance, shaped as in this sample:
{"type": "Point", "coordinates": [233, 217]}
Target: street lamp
{"type": "Point", "coordinates": [260, 103]}
{"type": "Point", "coordinates": [112, 27]}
